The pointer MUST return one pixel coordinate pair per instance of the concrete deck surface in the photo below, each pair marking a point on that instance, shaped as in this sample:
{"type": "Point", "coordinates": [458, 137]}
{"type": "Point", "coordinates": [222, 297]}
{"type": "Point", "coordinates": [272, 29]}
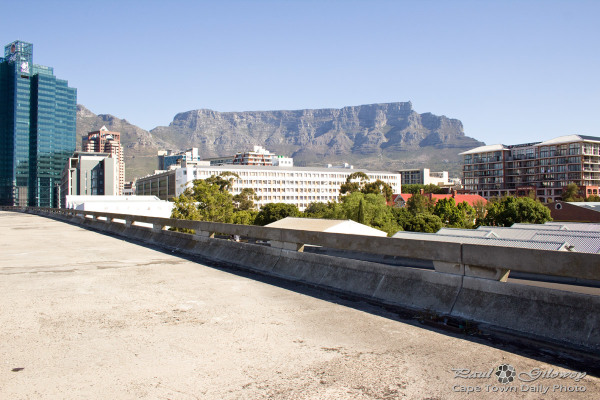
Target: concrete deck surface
{"type": "Point", "coordinates": [86, 315]}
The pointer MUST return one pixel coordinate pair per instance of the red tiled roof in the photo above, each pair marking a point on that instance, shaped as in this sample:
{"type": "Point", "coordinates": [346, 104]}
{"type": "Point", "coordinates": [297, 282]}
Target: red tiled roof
{"type": "Point", "coordinates": [471, 199]}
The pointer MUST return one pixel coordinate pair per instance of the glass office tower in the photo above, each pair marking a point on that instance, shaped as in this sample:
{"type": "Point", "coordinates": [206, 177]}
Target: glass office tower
{"type": "Point", "coordinates": [37, 128]}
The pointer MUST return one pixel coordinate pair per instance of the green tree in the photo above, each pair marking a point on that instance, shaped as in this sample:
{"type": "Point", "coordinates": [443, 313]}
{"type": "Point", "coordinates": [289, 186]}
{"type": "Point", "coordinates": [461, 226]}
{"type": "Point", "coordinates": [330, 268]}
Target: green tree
{"type": "Point", "coordinates": [245, 199]}
{"type": "Point", "coordinates": [468, 214]}
{"type": "Point", "coordinates": [213, 201]}
{"type": "Point", "coordinates": [424, 222]}
{"type": "Point", "coordinates": [416, 188]}
{"type": "Point", "coordinates": [378, 187]}
{"type": "Point", "coordinates": [455, 215]}
{"type": "Point", "coordinates": [593, 198]}
{"type": "Point", "coordinates": [244, 217]}
{"type": "Point", "coordinates": [419, 204]}
{"type": "Point", "coordinates": [450, 215]}
{"type": "Point", "coordinates": [274, 212]}
{"type": "Point", "coordinates": [510, 210]}
{"type": "Point", "coordinates": [402, 216]}
{"type": "Point", "coordinates": [377, 213]}
{"type": "Point", "coordinates": [206, 200]}
{"type": "Point", "coordinates": [571, 193]}
{"type": "Point", "coordinates": [317, 210]}
{"type": "Point", "coordinates": [185, 208]}
{"type": "Point", "coordinates": [480, 209]}
{"type": "Point", "coordinates": [361, 212]}
{"type": "Point", "coordinates": [355, 182]}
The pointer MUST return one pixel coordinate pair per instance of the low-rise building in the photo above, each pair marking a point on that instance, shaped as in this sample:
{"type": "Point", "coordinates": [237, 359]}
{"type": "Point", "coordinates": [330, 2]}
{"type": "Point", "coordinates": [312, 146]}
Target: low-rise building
{"type": "Point", "coordinates": [575, 211]}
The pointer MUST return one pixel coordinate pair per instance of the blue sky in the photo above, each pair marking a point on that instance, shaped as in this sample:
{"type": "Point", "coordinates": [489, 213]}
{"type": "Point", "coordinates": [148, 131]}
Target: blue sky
{"type": "Point", "coordinates": [511, 71]}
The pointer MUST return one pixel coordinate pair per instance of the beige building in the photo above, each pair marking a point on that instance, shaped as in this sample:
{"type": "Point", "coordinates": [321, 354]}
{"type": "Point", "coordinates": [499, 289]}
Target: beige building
{"type": "Point", "coordinates": [105, 141]}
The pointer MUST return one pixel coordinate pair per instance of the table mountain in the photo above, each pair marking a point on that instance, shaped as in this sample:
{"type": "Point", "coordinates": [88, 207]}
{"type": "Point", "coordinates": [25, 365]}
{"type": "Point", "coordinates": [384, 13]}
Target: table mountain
{"type": "Point", "coordinates": [382, 136]}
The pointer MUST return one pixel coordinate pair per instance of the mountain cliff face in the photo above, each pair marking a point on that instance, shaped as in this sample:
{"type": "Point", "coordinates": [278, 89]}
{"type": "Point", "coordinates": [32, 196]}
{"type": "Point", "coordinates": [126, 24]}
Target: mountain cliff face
{"type": "Point", "coordinates": [374, 129]}
{"type": "Point", "coordinates": [384, 136]}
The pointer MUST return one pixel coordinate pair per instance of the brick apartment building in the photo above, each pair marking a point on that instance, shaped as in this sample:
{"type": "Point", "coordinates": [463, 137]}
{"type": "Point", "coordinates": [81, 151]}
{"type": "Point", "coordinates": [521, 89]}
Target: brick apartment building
{"type": "Point", "coordinates": [543, 168]}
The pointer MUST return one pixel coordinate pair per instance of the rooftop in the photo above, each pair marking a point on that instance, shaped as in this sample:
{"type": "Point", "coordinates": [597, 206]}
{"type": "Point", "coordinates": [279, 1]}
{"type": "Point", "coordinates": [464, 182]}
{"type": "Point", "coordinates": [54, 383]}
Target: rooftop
{"type": "Point", "coordinates": [527, 244]}
{"type": "Point", "coordinates": [585, 241]}
{"type": "Point", "coordinates": [326, 225]}
{"type": "Point", "coordinates": [557, 140]}
{"type": "Point", "coordinates": [485, 149]}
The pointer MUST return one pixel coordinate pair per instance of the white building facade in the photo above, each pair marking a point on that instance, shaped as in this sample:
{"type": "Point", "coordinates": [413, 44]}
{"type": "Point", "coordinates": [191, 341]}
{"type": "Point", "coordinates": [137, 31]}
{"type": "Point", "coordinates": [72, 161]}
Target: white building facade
{"type": "Point", "coordinates": [272, 184]}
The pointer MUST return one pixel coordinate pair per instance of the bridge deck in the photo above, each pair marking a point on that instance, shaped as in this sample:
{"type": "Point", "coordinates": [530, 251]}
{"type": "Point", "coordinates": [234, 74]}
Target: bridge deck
{"type": "Point", "coordinates": [85, 315]}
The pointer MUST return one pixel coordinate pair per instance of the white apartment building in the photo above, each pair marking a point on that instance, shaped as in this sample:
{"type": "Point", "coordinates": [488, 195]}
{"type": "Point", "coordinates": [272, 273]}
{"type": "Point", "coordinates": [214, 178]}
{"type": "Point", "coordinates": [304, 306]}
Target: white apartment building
{"type": "Point", "coordinates": [272, 184]}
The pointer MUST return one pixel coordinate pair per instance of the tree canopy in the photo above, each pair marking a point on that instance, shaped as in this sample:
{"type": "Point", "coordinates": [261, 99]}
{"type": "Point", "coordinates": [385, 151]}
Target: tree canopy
{"type": "Point", "coordinates": [511, 210]}
{"type": "Point", "coordinates": [210, 200]}
{"type": "Point", "coordinates": [571, 193]}
{"type": "Point", "coordinates": [416, 188]}
{"type": "Point", "coordinates": [355, 182]}
{"type": "Point", "coordinates": [274, 212]}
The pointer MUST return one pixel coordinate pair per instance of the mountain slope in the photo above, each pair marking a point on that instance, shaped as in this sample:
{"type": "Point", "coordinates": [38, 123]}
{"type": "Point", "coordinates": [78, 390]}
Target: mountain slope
{"type": "Point", "coordinates": [377, 136]}
{"type": "Point", "coordinates": [139, 146]}
{"type": "Point", "coordinates": [374, 135]}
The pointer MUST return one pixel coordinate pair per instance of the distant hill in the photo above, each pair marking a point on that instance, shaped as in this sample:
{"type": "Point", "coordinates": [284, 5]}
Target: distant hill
{"type": "Point", "coordinates": [377, 136]}
{"type": "Point", "coordinates": [139, 146]}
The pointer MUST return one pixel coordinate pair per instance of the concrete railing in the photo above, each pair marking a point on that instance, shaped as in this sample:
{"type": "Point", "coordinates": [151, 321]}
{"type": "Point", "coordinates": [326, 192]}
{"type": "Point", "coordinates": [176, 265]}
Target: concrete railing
{"type": "Point", "coordinates": [455, 289]}
{"type": "Point", "coordinates": [481, 261]}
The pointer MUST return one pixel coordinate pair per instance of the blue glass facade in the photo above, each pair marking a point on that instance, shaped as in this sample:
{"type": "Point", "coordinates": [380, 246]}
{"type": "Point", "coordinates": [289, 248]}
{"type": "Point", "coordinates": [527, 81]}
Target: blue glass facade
{"type": "Point", "coordinates": [37, 128]}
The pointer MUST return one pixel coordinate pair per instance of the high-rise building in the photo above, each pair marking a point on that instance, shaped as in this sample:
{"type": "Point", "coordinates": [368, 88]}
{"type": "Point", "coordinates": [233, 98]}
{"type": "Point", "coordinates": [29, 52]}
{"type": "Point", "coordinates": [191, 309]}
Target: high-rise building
{"type": "Point", "coordinates": [543, 169]}
{"type": "Point", "coordinates": [37, 128]}
{"type": "Point", "coordinates": [105, 141]}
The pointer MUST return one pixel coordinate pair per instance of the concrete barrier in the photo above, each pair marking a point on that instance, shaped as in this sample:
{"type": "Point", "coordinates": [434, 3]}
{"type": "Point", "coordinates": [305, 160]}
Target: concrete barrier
{"type": "Point", "coordinates": [562, 317]}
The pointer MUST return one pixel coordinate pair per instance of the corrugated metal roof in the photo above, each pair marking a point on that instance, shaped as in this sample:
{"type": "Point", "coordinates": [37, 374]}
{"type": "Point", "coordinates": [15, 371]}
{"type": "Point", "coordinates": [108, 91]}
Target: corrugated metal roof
{"type": "Point", "coordinates": [540, 226]}
{"type": "Point", "coordinates": [516, 234]}
{"type": "Point", "coordinates": [584, 241]}
{"type": "Point", "coordinates": [530, 234]}
{"type": "Point", "coordinates": [582, 244]}
{"type": "Point", "coordinates": [527, 244]}
{"type": "Point", "coordinates": [465, 232]}
{"type": "Point", "coordinates": [577, 226]}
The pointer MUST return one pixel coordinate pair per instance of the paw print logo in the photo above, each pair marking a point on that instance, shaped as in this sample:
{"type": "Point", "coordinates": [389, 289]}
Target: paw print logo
{"type": "Point", "coordinates": [505, 373]}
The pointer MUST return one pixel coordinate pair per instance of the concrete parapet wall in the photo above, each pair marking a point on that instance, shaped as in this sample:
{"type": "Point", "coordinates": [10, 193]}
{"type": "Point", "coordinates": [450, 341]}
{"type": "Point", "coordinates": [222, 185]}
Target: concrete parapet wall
{"type": "Point", "coordinates": [543, 312]}
{"type": "Point", "coordinates": [562, 317]}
